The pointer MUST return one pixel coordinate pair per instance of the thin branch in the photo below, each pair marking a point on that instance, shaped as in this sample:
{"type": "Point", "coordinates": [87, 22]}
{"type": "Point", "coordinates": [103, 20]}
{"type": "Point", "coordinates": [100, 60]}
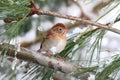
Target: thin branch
{"type": "Point", "coordinates": [27, 44]}
{"type": "Point", "coordinates": [40, 59]}
{"type": "Point", "coordinates": [83, 21]}
{"type": "Point", "coordinates": [41, 12]}
{"type": "Point", "coordinates": [83, 15]}
{"type": "Point", "coordinates": [34, 10]}
{"type": "Point", "coordinates": [33, 3]}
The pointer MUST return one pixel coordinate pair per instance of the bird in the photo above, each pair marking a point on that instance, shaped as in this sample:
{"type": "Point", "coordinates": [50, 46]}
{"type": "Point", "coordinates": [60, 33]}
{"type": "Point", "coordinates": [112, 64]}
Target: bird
{"type": "Point", "coordinates": [55, 40]}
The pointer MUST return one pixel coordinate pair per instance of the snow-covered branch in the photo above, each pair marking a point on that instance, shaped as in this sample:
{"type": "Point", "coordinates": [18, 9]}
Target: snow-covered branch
{"type": "Point", "coordinates": [40, 59]}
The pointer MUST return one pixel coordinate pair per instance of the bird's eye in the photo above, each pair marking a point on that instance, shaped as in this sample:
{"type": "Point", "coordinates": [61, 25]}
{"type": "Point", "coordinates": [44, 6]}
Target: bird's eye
{"type": "Point", "coordinates": [60, 29]}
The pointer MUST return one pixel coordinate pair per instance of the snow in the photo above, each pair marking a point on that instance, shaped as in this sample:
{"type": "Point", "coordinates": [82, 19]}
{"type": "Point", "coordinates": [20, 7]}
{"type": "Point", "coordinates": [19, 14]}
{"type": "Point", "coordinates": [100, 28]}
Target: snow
{"type": "Point", "coordinates": [111, 40]}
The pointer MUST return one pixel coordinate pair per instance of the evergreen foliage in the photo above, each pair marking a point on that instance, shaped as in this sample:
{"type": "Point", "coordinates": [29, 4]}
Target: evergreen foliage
{"type": "Point", "coordinates": [18, 23]}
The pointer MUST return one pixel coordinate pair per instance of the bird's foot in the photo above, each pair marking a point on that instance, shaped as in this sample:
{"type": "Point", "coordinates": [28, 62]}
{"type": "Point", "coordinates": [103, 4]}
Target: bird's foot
{"type": "Point", "coordinates": [62, 58]}
{"type": "Point", "coordinates": [49, 55]}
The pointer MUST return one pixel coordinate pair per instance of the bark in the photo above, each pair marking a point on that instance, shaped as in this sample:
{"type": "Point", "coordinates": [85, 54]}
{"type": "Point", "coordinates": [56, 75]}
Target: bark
{"type": "Point", "coordinates": [38, 58]}
{"type": "Point", "coordinates": [43, 60]}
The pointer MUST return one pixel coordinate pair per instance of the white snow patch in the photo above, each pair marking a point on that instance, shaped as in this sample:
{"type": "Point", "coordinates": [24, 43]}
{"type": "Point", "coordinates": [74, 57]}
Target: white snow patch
{"type": "Point", "coordinates": [53, 50]}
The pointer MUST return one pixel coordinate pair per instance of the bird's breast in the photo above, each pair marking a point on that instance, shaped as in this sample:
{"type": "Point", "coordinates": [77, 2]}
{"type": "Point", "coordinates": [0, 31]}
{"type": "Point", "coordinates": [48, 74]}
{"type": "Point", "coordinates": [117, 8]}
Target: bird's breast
{"type": "Point", "coordinates": [54, 45]}
{"type": "Point", "coordinates": [58, 45]}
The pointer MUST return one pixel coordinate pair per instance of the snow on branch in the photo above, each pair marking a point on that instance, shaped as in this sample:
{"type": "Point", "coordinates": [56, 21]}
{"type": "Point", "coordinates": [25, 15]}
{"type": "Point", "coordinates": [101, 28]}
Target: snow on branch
{"type": "Point", "coordinates": [38, 58]}
{"type": "Point", "coordinates": [42, 60]}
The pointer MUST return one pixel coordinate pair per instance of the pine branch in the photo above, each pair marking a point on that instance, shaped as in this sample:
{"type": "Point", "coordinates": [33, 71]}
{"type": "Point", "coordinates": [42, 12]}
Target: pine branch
{"type": "Point", "coordinates": [40, 59]}
{"type": "Point", "coordinates": [112, 67]}
{"type": "Point", "coordinates": [83, 21]}
{"type": "Point", "coordinates": [35, 10]}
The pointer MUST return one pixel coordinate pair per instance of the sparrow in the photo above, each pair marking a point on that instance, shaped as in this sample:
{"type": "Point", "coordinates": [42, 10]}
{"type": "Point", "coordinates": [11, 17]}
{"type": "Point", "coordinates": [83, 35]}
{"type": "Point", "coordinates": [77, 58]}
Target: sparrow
{"type": "Point", "coordinates": [55, 40]}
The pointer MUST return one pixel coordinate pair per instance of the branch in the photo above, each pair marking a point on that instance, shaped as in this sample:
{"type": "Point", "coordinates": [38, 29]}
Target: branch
{"type": "Point", "coordinates": [27, 44]}
{"type": "Point", "coordinates": [82, 16]}
{"type": "Point", "coordinates": [34, 10]}
{"type": "Point", "coordinates": [99, 25]}
{"type": "Point", "coordinates": [40, 59]}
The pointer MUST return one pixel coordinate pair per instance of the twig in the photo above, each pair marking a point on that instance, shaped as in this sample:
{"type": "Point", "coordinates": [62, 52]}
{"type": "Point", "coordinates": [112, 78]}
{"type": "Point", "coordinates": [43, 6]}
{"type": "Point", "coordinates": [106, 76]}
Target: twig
{"type": "Point", "coordinates": [33, 3]}
{"type": "Point", "coordinates": [83, 15]}
{"type": "Point", "coordinates": [83, 21]}
{"type": "Point", "coordinates": [79, 19]}
{"type": "Point", "coordinates": [27, 44]}
{"type": "Point", "coordinates": [101, 5]}
{"type": "Point", "coordinates": [40, 59]}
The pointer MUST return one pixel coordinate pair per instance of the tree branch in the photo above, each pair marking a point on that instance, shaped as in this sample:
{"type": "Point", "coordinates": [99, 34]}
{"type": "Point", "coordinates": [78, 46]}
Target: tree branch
{"type": "Point", "coordinates": [99, 25]}
{"type": "Point", "coordinates": [34, 10]}
{"type": "Point", "coordinates": [40, 59]}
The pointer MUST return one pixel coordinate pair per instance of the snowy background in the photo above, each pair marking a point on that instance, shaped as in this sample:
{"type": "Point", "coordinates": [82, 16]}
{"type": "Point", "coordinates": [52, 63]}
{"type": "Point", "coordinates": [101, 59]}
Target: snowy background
{"type": "Point", "coordinates": [110, 43]}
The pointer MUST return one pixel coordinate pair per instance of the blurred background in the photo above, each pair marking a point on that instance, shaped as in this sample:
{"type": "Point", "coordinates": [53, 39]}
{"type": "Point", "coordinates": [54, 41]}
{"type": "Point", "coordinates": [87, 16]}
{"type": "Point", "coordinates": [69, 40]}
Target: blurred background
{"type": "Point", "coordinates": [89, 47]}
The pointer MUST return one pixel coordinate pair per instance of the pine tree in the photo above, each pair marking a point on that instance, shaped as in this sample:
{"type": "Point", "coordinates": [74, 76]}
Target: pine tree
{"type": "Point", "coordinates": [82, 53]}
